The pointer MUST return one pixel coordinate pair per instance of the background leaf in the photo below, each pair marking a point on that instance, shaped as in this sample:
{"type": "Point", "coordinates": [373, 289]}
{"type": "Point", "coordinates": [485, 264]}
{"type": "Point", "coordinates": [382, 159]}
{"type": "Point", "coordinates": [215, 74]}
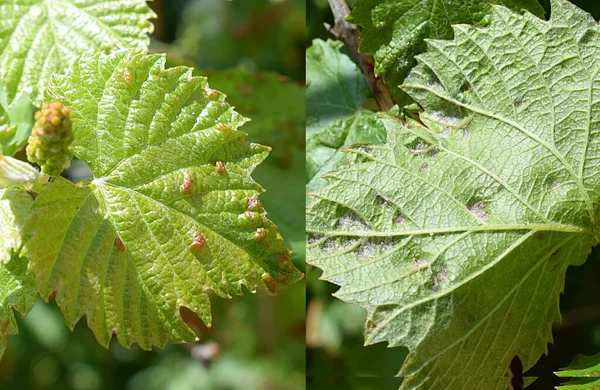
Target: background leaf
{"type": "Point", "coordinates": [335, 94]}
{"type": "Point", "coordinates": [178, 169]}
{"type": "Point", "coordinates": [17, 290]}
{"type": "Point", "coordinates": [393, 31]}
{"type": "Point", "coordinates": [41, 37]}
{"type": "Point", "coordinates": [454, 236]}
{"type": "Point", "coordinates": [584, 371]}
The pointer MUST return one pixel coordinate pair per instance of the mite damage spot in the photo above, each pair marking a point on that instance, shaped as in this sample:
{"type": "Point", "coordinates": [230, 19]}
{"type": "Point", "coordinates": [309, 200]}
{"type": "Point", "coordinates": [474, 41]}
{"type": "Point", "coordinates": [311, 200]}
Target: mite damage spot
{"type": "Point", "coordinates": [252, 203]}
{"type": "Point", "coordinates": [211, 93]}
{"type": "Point", "coordinates": [399, 220]}
{"type": "Point", "coordinates": [119, 245]}
{"type": "Point", "coordinates": [261, 234]}
{"type": "Point", "coordinates": [419, 146]}
{"type": "Point", "coordinates": [433, 153]}
{"type": "Point", "coordinates": [438, 279]}
{"type": "Point", "coordinates": [314, 239]}
{"type": "Point", "coordinates": [366, 250]}
{"type": "Point", "coordinates": [220, 167]}
{"type": "Point", "coordinates": [329, 246]}
{"type": "Point", "coordinates": [479, 210]}
{"type": "Point", "coordinates": [424, 167]}
{"type": "Point", "coordinates": [554, 185]}
{"type": "Point", "coordinates": [352, 222]}
{"type": "Point", "coordinates": [421, 263]}
{"type": "Point", "coordinates": [467, 133]}
{"type": "Point", "coordinates": [269, 282]}
{"type": "Point", "coordinates": [282, 259]}
{"type": "Point", "coordinates": [128, 76]}
{"type": "Point", "coordinates": [187, 184]}
{"type": "Point", "coordinates": [383, 201]}
{"type": "Point", "coordinates": [198, 241]}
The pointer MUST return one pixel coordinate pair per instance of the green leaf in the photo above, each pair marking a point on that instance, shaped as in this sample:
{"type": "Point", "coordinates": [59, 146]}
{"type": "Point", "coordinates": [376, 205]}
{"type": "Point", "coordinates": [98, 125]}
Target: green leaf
{"type": "Point", "coordinates": [41, 37]}
{"type": "Point", "coordinates": [276, 106]}
{"type": "Point", "coordinates": [456, 236]}
{"type": "Point", "coordinates": [335, 88]}
{"type": "Point", "coordinates": [335, 93]}
{"type": "Point", "coordinates": [394, 30]}
{"type": "Point", "coordinates": [172, 213]}
{"type": "Point", "coordinates": [16, 121]}
{"type": "Point", "coordinates": [14, 212]}
{"type": "Point", "coordinates": [17, 290]}
{"type": "Point", "coordinates": [584, 371]}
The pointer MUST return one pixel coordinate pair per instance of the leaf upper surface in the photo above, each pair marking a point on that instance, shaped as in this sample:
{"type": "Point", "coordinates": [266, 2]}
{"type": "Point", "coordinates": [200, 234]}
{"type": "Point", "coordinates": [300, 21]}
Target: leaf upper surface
{"type": "Point", "coordinates": [17, 289]}
{"type": "Point", "coordinates": [394, 30]}
{"type": "Point", "coordinates": [41, 37]}
{"type": "Point", "coordinates": [172, 213]}
{"type": "Point", "coordinates": [455, 236]}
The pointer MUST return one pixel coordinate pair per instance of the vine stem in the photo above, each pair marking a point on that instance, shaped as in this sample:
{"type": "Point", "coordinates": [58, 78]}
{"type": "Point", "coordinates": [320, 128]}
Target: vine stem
{"type": "Point", "coordinates": [348, 33]}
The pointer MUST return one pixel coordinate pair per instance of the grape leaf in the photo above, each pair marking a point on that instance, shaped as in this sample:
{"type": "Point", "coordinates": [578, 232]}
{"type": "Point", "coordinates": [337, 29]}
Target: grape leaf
{"type": "Point", "coordinates": [394, 30]}
{"type": "Point", "coordinates": [16, 121]}
{"type": "Point", "coordinates": [335, 93]}
{"type": "Point", "coordinates": [41, 37]}
{"type": "Point", "coordinates": [584, 372]}
{"type": "Point", "coordinates": [455, 236]}
{"type": "Point", "coordinates": [335, 88]}
{"type": "Point", "coordinates": [172, 213]}
{"type": "Point", "coordinates": [276, 106]}
{"type": "Point", "coordinates": [17, 290]}
{"type": "Point", "coordinates": [14, 212]}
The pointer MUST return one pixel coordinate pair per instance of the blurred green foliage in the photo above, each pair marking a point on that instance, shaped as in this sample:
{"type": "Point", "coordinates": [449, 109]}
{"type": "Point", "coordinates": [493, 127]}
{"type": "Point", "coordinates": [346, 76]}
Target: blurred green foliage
{"type": "Point", "coordinates": [256, 342]}
{"type": "Point", "coordinates": [336, 357]}
{"type": "Point", "coordinates": [260, 35]}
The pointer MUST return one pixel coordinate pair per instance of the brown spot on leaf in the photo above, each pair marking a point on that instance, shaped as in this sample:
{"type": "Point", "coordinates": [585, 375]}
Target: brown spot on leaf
{"type": "Point", "coordinates": [269, 282]}
{"type": "Point", "coordinates": [252, 203]}
{"type": "Point", "coordinates": [187, 184]}
{"type": "Point", "coordinates": [211, 93]}
{"type": "Point", "coordinates": [220, 167]}
{"type": "Point", "coordinates": [198, 241]}
{"type": "Point", "coordinates": [261, 234]}
{"type": "Point", "coordinates": [119, 245]}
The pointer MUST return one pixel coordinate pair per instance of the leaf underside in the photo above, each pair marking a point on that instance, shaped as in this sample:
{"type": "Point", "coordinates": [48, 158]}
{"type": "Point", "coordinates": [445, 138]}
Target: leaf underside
{"type": "Point", "coordinates": [172, 213]}
{"type": "Point", "coordinates": [41, 37]}
{"type": "Point", "coordinates": [456, 234]}
{"type": "Point", "coordinates": [394, 30]}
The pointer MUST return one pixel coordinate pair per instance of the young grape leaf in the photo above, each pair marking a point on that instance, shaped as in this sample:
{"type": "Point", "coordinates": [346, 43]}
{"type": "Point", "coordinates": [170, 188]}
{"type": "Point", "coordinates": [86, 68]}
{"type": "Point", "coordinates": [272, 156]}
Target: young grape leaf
{"type": "Point", "coordinates": [584, 371]}
{"type": "Point", "coordinates": [172, 213]}
{"type": "Point", "coordinates": [41, 37]}
{"type": "Point", "coordinates": [16, 121]}
{"type": "Point", "coordinates": [335, 93]}
{"type": "Point", "coordinates": [17, 289]}
{"type": "Point", "coordinates": [14, 212]}
{"type": "Point", "coordinates": [276, 106]}
{"type": "Point", "coordinates": [394, 30]}
{"type": "Point", "coordinates": [455, 236]}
